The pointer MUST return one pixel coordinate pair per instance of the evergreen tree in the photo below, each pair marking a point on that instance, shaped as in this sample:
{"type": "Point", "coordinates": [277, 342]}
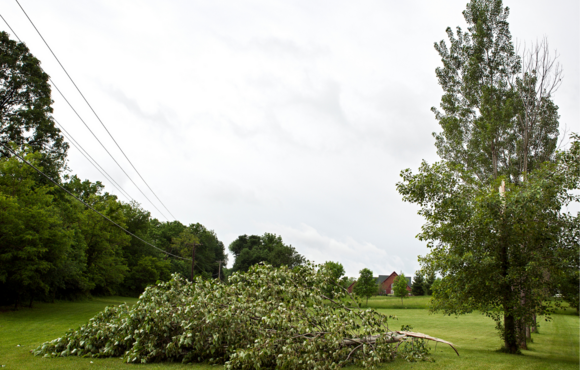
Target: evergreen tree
{"type": "Point", "coordinates": [418, 287]}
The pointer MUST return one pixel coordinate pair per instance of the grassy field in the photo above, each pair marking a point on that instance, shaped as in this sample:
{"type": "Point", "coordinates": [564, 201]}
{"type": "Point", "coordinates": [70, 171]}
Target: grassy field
{"type": "Point", "coordinates": [555, 347]}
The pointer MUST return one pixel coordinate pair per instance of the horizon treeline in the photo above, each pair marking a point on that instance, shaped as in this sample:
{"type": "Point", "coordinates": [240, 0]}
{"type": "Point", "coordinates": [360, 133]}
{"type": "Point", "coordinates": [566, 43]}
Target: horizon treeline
{"type": "Point", "coordinates": [54, 247]}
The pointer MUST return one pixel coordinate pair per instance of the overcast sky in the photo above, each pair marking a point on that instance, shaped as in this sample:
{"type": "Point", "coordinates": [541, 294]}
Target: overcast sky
{"type": "Point", "coordinates": [288, 117]}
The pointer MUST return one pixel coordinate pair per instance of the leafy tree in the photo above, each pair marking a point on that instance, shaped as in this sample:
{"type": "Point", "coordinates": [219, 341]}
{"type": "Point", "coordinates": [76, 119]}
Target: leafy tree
{"type": "Point", "coordinates": [210, 251]}
{"type": "Point", "coordinates": [162, 235]}
{"type": "Point", "coordinates": [400, 287]}
{"type": "Point", "coordinates": [184, 244]}
{"type": "Point", "coordinates": [418, 287]}
{"type": "Point", "coordinates": [33, 243]}
{"type": "Point", "coordinates": [366, 284]}
{"type": "Point", "coordinates": [148, 271]}
{"type": "Point", "coordinates": [106, 267]}
{"type": "Point", "coordinates": [138, 222]}
{"type": "Point", "coordinates": [25, 107]}
{"type": "Point", "coordinates": [336, 269]}
{"type": "Point", "coordinates": [269, 248]}
{"type": "Point", "coordinates": [494, 249]}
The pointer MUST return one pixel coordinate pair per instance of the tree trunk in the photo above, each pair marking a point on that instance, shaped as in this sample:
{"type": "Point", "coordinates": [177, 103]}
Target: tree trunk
{"type": "Point", "coordinates": [510, 335]}
{"type": "Point", "coordinates": [522, 337]}
{"type": "Point", "coordinates": [509, 321]}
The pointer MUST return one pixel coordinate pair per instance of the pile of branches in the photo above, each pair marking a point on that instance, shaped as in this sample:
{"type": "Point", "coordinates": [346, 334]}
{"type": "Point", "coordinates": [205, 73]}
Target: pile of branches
{"type": "Point", "coordinates": [265, 318]}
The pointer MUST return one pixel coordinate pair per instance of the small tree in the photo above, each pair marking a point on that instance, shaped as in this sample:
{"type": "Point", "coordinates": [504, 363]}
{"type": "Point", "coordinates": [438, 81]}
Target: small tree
{"type": "Point", "coordinates": [400, 287]}
{"type": "Point", "coordinates": [418, 287]}
{"type": "Point", "coordinates": [365, 285]}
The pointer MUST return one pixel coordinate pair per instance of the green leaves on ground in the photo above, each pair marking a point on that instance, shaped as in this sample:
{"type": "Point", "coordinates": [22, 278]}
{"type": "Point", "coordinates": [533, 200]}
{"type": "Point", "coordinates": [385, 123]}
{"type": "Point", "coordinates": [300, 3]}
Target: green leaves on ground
{"type": "Point", "coordinates": [265, 318]}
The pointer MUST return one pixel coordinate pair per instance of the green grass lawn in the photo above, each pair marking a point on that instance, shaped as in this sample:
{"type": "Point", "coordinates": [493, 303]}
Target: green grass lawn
{"type": "Point", "coordinates": [555, 347]}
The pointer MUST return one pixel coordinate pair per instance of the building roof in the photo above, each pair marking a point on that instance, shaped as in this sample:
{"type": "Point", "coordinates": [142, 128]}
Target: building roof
{"type": "Point", "coordinates": [382, 278]}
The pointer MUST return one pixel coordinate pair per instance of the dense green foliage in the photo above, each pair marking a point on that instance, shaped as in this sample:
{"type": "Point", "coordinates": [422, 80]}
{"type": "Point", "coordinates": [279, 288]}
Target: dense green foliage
{"type": "Point", "coordinates": [268, 248]}
{"type": "Point", "coordinates": [366, 284]}
{"type": "Point", "coordinates": [265, 318]}
{"type": "Point", "coordinates": [52, 246]}
{"type": "Point", "coordinates": [494, 206]}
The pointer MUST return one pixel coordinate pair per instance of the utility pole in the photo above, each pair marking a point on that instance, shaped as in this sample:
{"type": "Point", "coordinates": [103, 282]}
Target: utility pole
{"type": "Point", "coordinates": [220, 270]}
{"type": "Point", "coordinates": [192, 260]}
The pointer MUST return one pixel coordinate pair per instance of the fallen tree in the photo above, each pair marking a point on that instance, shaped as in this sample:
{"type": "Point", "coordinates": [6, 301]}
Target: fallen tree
{"type": "Point", "coordinates": [265, 318]}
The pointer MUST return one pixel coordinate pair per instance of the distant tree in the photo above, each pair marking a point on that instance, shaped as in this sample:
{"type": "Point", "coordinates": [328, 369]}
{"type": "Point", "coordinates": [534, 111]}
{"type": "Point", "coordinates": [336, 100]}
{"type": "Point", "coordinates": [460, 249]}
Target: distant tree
{"type": "Point", "coordinates": [366, 285]}
{"type": "Point", "coordinates": [209, 252]}
{"type": "Point", "coordinates": [105, 242]}
{"type": "Point", "coordinates": [161, 235]}
{"type": "Point", "coordinates": [347, 281]}
{"type": "Point", "coordinates": [184, 244]}
{"type": "Point", "coordinates": [400, 287]}
{"type": "Point", "coordinates": [430, 279]}
{"type": "Point", "coordinates": [249, 250]}
{"type": "Point", "coordinates": [148, 271]}
{"type": "Point", "coordinates": [418, 287]}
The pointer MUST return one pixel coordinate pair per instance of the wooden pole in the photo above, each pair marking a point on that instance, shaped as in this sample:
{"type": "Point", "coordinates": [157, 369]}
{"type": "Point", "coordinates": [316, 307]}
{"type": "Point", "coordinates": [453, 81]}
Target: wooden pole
{"type": "Point", "coordinates": [192, 260]}
{"type": "Point", "coordinates": [220, 270]}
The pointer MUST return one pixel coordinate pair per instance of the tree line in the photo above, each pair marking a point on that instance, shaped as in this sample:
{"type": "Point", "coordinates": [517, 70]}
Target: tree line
{"type": "Point", "coordinates": [54, 247]}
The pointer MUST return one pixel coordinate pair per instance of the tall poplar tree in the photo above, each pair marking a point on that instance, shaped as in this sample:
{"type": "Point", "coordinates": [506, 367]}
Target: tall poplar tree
{"type": "Point", "coordinates": [492, 206]}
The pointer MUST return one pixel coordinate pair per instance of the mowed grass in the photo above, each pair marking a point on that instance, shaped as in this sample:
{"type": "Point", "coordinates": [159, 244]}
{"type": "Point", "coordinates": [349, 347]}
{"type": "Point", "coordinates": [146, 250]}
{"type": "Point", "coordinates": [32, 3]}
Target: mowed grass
{"type": "Point", "coordinates": [26, 329]}
{"type": "Point", "coordinates": [555, 347]}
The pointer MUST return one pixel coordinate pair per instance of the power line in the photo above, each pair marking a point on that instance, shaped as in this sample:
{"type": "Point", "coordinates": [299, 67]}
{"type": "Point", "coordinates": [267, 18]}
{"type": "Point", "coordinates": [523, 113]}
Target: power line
{"type": "Point", "coordinates": [86, 204]}
{"type": "Point", "coordinates": [91, 131]}
{"type": "Point", "coordinates": [92, 161]}
{"type": "Point", "coordinates": [14, 33]}
{"type": "Point", "coordinates": [103, 145]}
{"type": "Point", "coordinates": [95, 113]}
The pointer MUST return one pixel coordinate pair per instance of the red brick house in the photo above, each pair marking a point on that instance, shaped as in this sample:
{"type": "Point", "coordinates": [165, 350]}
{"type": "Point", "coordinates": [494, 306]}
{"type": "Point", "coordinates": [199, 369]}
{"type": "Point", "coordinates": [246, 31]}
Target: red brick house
{"type": "Point", "coordinates": [386, 283]}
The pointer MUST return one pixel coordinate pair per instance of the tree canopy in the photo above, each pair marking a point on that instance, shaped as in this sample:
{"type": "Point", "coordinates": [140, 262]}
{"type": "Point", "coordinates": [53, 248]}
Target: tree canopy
{"type": "Point", "coordinates": [26, 107]}
{"type": "Point", "coordinates": [268, 248]}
